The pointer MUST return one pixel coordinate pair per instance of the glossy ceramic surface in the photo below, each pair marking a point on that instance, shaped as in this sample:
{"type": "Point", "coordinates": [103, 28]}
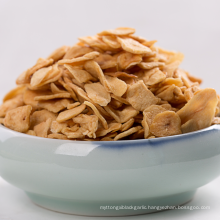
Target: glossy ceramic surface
{"type": "Point", "coordinates": [78, 177]}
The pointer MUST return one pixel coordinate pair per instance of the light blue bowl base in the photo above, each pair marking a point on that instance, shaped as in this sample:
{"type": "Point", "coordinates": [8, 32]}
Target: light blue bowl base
{"type": "Point", "coordinates": [92, 208]}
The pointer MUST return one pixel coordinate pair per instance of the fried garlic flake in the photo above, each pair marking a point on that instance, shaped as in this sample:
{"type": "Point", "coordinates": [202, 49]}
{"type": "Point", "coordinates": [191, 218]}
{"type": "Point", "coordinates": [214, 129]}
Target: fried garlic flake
{"type": "Point", "coordinates": [199, 112]}
{"type": "Point", "coordinates": [111, 86]}
{"type": "Point", "coordinates": [18, 119]}
{"type": "Point", "coordinates": [140, 97]}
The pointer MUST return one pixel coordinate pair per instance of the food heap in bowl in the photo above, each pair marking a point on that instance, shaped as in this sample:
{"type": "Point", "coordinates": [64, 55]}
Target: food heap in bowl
{"type": "Point", "coordinates": [108, 87]}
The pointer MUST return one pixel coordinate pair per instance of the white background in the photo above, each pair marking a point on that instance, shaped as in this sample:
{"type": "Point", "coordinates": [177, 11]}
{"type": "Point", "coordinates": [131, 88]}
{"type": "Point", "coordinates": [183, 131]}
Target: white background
{"type": "Point", "coordinates": [33, 29]}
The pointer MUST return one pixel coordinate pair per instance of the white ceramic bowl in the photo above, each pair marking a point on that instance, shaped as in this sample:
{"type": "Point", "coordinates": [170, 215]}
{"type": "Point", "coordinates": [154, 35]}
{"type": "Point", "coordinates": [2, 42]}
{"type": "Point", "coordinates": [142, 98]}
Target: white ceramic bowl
{"type": "Point", "coordinates": [79, 177]}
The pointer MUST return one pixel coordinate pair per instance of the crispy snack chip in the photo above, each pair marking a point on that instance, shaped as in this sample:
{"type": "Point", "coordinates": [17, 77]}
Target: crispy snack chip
{"type": "Point", "coordinates": [80, 75]}
{"type": "Point", "coordinates": [165, 124]}
{"type": "Point", "coordinates": [25, 76]}
{"type": "Point", "coordinates": [14, 92]}
{"type": "Point", "coordinates": [89, 123]}
{"type": "Point", "coordinates": [41, 116]}
{"type": "Point", "coordinates": [58, 54]}
{"type": "Point", "coordinates": [31, 132]}
{"type": "Point", "coordinates": [79, 60]}
{"type": "Point", "coordinates": [150, 65]}
{"type": "Point", "coordinates": [133, 46]}
{"type": "Point", "coordinates": [11, 104]}
{"type": "Point", "coordinates": [55, 89]}
{"type": "Point", "coordinates": [54, 105]}
{"type": "Point", "coordinates": [123, 115]}
{"type": "Point", "coordinates": [45, 75]}
{"type": "Point", "coordinates": [202, 105]}
{"type": "Point", "coordinates": [127, 133]}
{"type": "Point", "coordinates": [152, 77]}
{"type": "Point", "coordinates": [97, 93]}
{"type": "Point", "coordinates": [72, 105]}
{"type": "Point", "coordinates": [58, 136]}
{"type": "Point", "coordinates": [77, 51]}
{"type": "Point", "coordinates": [112, 128]}
{"type": "Point", "coordinates": [111, 41]}
{"type": "Point", "coordinates": [127, 60]}
{"type": "Point", "coordinates": [149, 115]}
{"type": "Point", "coordinates": [127, 124]}
{"type": "Point", "coordinates": [95, 42]}
{"type": "Point", "coordinates": [106, 61]}
{"type": "Point", "coordinates": [140, 97]}
{"type": "Point", "coordinates": [116, 86]}
{"type": "Point", "coordinates": [54, 96]}
{"type": "Point", "coordinates": [107, 87]}
{"type": "Point", "coordinates": [18, 119]}
{"type": "Point", "coordinates": [97, 113]}
{"type": "Point", "coordinates": [66, 115]}
{"type": "Point", "coordinates": [121, 31]}
{"type": "Point", "coordinates": [42, 129]}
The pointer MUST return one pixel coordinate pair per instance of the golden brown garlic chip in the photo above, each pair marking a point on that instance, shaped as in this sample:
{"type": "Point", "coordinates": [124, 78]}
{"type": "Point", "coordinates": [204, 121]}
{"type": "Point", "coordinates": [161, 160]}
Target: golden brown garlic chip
{"type": "Point", "coordinates": [14, 92]}
{"type": "Point", "coordinates": [25, 76]}
{"type": "Point", "coordinates": [136, 82]}
{"type": "Point", "coordinates": [120, 74]}
{"type": "Point", "coordinates": [73, 105]}
{"type": "Point", "coordinates": [41, 116]}
{"type": "Point", "coordinates": [54, 105]}
{"type": "Point", "coordinates": [57, 136]}
{"type": "Point", "coordinates": [150, 65]}
{"type": "Point", "coordinates": [170, 68]}
{"type": "Point", "coordinates": [127, 124]}
{"type": "Point", "coordinates": [123, 115]}
{"type": "Point", "coordinates": [58, 53]}
{"type": "Point", "coordinates": [166, 124]}
{"type": "Point", "coordinates": [97, 113]}
{"type": "Point", "coordinates": [54, 96]}
{"type": "Point", "coordinates": [74, 132]}
{"type": "Point", "coordinates": [31, 132]}
{"type": "Point", "coordinates": [199, 112]}
{"type": "Point", "coordinates": [116, 86]}
{"type": "Point", "coordinates": [11, 104]}
{"type": "Point", "coordinates": [112, 128]}
{"type": "Point", "coordinates": [18, 119]}
{"type": "Point", "coordinates": [133, 46]}
{"type": "Point", "coordinates": [95, 70]}
{"type": "Point", "coordinates": [140, 97]}
{"type": "Point", "coordinates": [111, 41]}
{"type": "Point", "coordinates": [126, 60]}
{"type": "Point", "coordinates": [97, 93]}
{"type": "Point", "coordinates": [66, 115]}
{"type": "Point", "coordinates": [29, 96]}
{"type": "Point", "coordinates": [80, 75]}
{"type": "Point", "coordinates": [89, 123]}
{"type": "Point", "coordinates": [77, 51]}
{"type": "Point", "coordinates": [42, 129]}
{"type": "Point", "coordinates": [121, 31]}
{"type": "Point", "coordinates": [106, 61]}
{"type": "Point", "coordinates": [127, 133]}
{"type": "Point", "coordinates": [95, 42]}
{"type": "Point", "coordinates": [57, 127]}
{"type": "Point", "coordinates": [149, 114]}
{"type": "Point", "coordinates": [120, 99]}
{"type": "Point", "coordinates": [79, 60]}
{"type": "Point", "coordinates": [45, 75]}
{"type": "Point", "coordinates": [152, 77]}
{"type": "Point", "coordinates": [172, 94]}
{"type": "Point", "coordinates": [55, 89]}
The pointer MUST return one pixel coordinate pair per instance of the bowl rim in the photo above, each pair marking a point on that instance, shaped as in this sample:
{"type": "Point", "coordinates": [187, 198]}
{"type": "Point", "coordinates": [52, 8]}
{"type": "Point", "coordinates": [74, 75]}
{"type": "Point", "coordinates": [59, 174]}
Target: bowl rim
{"type": "Point", "coordinates": [153, 140]}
